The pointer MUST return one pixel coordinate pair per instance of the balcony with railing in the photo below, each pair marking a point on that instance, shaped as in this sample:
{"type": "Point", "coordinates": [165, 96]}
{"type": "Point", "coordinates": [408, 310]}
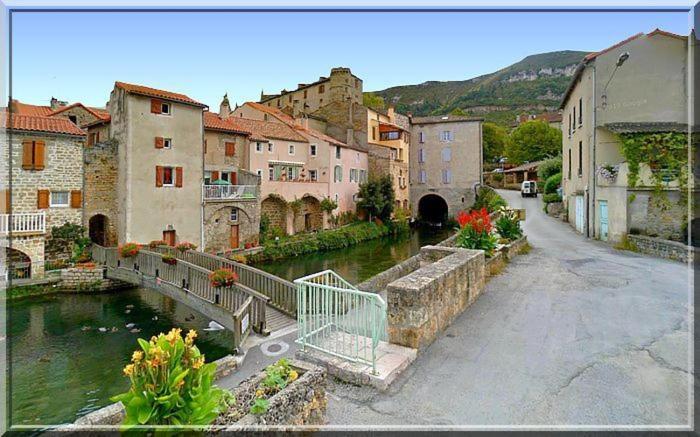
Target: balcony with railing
{"type": "Point", "coordinates": [23, 223]}
{"type": "Point", "coordinates": [231, 192]}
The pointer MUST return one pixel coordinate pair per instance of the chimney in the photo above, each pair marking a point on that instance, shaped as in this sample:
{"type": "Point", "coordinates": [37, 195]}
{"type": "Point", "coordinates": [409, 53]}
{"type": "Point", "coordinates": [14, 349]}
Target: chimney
{"type": "Point", "coordinates": [390, 113]}
{"type": "Point", "coordinates": [224, 107]}
{"type": "Point", "coordinates": [55, 103]}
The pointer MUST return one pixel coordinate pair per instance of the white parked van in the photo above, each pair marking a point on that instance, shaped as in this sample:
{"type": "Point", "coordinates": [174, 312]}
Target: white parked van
{"type": "Point", "coordinates": [528, 188]}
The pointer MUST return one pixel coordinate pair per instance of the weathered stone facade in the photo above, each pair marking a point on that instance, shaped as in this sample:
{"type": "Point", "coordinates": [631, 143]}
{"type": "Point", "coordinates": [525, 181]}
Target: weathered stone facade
{"type": "Point", "coordinates": [423, 303]}
{"type": "Point", "coordinates": [275, 209]}
{"type": "Point", "coordinates": [218, 222]}
{"type": "Point", "coordinates": [101, 179]}
{"type": "Point", "coordinates": [88, 280]}
{"type": "Point", "coordinates": [663, 248]}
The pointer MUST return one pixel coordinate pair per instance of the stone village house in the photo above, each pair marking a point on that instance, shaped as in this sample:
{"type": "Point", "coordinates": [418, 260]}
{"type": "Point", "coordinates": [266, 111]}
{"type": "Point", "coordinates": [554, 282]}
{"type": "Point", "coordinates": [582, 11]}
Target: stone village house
{"type": "Point", "coordinates": [446, 165]}
{"type": "Point", "coordinates": [46, 178]}
{"type": "Point", "coordinates": [636, 86]}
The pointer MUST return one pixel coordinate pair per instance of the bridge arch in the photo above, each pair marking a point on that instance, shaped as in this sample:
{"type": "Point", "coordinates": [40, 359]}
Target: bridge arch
{"type": "Point", "coordinates": [310, 217]}
{"type": "Point", "coordinates": [275, 208]}
{"type": "Point", "coordinates": [97, 229]}
{"type": "Point", "coordinates": [432, 208]}
{"type": "Point", "coordinates": [19, 265]}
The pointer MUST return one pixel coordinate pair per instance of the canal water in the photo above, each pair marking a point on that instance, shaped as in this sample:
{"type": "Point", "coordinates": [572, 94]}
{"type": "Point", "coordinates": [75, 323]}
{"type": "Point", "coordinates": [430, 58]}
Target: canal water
{"type": "Point", "coordinates": [63, 367]}
{"type": "Point", "coordinates": [62, 370]}
{"type": "Point", "coordinates": [361, 262]}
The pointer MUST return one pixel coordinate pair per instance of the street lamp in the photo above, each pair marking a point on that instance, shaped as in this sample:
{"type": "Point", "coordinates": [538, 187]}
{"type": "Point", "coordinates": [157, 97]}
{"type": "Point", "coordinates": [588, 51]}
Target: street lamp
{"type": "Point", "coordinates": [620, 60]}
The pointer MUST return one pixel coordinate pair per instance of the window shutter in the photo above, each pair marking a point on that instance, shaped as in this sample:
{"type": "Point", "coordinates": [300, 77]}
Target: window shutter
{"type": "Point", "coordinates": [159, 176]}
{"type": "Point", "coordinates": [205, 147]}
{"type": "Point", "coordinates": [234, 178]}
{"type": "Point", "coordinates": [155, 106]}
{"type": "Point", "coordinates": [6, 207]}
{"type": "Point", "coordinates": [230, 148]}
{"type": "Point", "coordinates": [76, 199]}
{"type": "Point", "coordinates": [214, 176]}
{"type": "Point", "coordinates": [159, 142]}
{"type": "Point", "coordinates": [39, 147]}
{"type": "Point", "coordinates": [42, 199]}
{"type": "Point", "coordinates": [27, 155]}
{"type": "Point", "coordinates": [97, 136]}
{"type": "Point", "coordinates": [178, 176]}
{"type": "Point", "coordinates": [91, 139]}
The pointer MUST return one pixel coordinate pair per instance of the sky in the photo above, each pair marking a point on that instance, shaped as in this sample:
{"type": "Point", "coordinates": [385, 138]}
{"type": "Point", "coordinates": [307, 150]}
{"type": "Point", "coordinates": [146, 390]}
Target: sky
{"type": "Point", "coordinates": [77, 56]}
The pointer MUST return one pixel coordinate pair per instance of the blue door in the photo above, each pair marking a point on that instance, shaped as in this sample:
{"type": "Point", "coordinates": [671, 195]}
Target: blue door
{"type": "Point", "coordinates": [604, 220]}
{"type": "Point", "coordinates": [580, 213]}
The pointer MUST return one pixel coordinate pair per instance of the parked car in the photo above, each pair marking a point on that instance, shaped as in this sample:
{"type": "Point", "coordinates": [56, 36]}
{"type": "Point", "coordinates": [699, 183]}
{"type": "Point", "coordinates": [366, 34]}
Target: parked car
{"type": "Point", "coordinates": [528, 189]}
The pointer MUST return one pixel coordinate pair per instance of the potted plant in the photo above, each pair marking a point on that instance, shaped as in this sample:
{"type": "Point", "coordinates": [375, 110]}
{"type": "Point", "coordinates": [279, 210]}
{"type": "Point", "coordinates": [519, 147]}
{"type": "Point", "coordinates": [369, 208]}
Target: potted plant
{"type": "Point", "coordinates": [129, 250]}
{"type": "Point", "coordinates": [223, 277]}
{"type": "Point", "coordinates": [155, 243]}
{"type": "Point", "coordinates": [475, 231]}
{"type": "Point", "coordinates": [168, 259]}
{"type": "Point", "coordinates": [185, 246]}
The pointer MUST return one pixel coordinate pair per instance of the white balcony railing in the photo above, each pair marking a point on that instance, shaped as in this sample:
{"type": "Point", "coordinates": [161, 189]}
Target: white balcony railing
{"type": "Point", "coordinates": [230, 192]}
{"type": "Point", "coordinates": [34, 222]}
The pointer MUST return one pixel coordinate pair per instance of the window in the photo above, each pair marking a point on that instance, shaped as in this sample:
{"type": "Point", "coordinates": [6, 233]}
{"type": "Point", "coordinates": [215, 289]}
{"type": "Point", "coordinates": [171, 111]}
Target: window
{"type": "Point", "coordinates": [446, 176]}
{"type": "Point", "coordinates": [386, 136]}
{"type": "Point", "coordinates": [306, 92]}
{"type": "Point", "coordinates": [313, 149]}
{"type": "Point", "coordinates": [321, 89]}
{"type": "Point", "coordinates": [313, 175]}
{"type": "Point", "coordinates": [393, 154]}
{"type": "Point", "coordinates": [59, 199]}
{"type": "Point", "coordinates": [337, 152]}
{"type": "Point", "coordinates": [291, 149]}
{"type": "Point", "coordinates": [336, 197]}
{"type": "Point", "coordinates": [580, 111]}
{"type": "Point", "coordinates": [167, 143]}
{"type": "Point", "coordinates": [258, 147]}
{"type": "Point", "coordinates": [446, 135]}
{"type": "Point", "coordinates": [421, 155]}
{"type": "Point", "coordinates": [374, 133]}
{"type": "Point", "coordinates": [363, 176]}
{"type": "Point", "coordinates": [338, 174]}
{"type": "Point", "coordinates": [270, 147]}
{"type": "Point", "coordinates": [207, 178]}
{"type": "Point", "coordinates": [259, 172]}
{"type": "Point", "coordinates": [574, 127]}
{"type": "Point", "coordinates": [421, 137]}
{"type": "Point", "coordinates": [353, 175]}
{"type": "Point", "coordinates": [569, 125]}
{"type": "Point", "coordinates": [580, 158]}
{"type": "Point", "coordinates": [447, 154]}
{"type": "Point", "coordinates": [73, 119]}
{"type": "Point", "coordinates": [569, 168]}
{"type": "Point", "coordinates": [423, 177]}
{"type": "Point", "coordinates": [234, 214]}
{"type": "Point", "coordinates": [168, 179]}
{"type": "Point", "coordinates": [33, 155]}
{"type": "Point", "coordinates": [271, 173]}
{"type": "Point", "coordinates": [165, 108]}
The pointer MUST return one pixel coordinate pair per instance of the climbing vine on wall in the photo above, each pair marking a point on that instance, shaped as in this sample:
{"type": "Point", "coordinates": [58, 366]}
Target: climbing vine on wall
{"type": "Point", "coordinates": [665, 153]}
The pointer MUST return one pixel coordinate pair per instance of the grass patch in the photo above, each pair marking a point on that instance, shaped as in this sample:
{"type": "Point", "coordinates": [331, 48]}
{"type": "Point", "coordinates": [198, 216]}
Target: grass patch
{"type": "Point", "coordinates": [626, 244]}
{"type": "Point", "coordinates": [24, 291]}
{"type": "Point", "coordinates": [525, 249]}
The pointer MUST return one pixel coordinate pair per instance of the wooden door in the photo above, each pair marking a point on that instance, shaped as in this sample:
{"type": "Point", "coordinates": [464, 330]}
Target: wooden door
{"type": "Point", "coordinates": [169, 237]}
{"type": "Point", "coordinates": [234, 237]}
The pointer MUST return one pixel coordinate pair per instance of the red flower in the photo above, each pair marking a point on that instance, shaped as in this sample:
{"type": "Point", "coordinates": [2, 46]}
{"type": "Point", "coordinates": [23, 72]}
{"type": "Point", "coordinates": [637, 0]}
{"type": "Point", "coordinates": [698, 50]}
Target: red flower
{"type": "Point", "coordinates": [479, 221]}
{"type": "Point", "coordinates": [462, 218]}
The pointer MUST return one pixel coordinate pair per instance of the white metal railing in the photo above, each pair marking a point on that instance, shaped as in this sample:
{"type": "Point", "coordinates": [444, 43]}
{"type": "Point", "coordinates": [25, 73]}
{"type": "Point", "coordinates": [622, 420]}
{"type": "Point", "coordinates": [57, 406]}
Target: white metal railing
{"type": "Point", "coordinates": [335, 317]}
{"type": "Point", "coordinates": [23, 222]}
{"type": "Point", "coordinates": [230, 192]}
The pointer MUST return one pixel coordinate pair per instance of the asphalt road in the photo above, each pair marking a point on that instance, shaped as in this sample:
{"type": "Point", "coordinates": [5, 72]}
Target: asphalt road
{"type": "Point", "coordinates": [574, 333]}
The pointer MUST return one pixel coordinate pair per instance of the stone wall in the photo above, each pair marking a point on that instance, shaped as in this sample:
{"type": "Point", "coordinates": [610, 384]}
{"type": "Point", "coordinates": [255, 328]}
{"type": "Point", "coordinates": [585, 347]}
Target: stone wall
{"type": "Point", "coordinates": [663, 248]}
{"type": "Point", "coordinates": [378, 283]}
{"type": "Point", "coordinates": [88, 280]}
{"type": "Point", "coordinates": [101, 178]}
{"type": "Point", "coordinates": [423, 303]}
{"type": "Point", "coordinates": [276, 210]}
{"type": "Point", "coordinates": [58, 250]}
{"type": "Point", "coordinates": [217, 224]}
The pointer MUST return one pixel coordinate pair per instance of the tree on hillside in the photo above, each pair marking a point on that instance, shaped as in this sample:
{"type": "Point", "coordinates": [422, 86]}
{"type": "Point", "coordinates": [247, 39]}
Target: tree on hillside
{"type": "Point", "coordinates": [495, 140]}
{"type": "Point", "coordinates": [373, 101]}
{"type": "Point", "coordinates": [458, 111]}
{"type": "Point", "coordinates": [533, 141]}
{"type": "Point", "coordinates": [377, 197]}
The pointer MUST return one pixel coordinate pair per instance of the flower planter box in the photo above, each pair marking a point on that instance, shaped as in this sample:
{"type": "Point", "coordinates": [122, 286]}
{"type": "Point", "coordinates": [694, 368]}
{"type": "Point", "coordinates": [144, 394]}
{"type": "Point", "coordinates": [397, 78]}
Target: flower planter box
{"type": "Point", "coordinates": [303, 402]}
{"type": "Point", "coordinates": [514, 248]}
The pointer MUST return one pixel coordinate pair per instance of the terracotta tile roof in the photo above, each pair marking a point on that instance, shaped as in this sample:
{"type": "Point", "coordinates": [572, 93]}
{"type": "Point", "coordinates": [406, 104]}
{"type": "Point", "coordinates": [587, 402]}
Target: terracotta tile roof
{"type": "Point", "coordinates": [213, 121]}
{"type": "Point", "coordinates": [292, 123]}
{"type": "Point", "coordinates": [525, 167]}
{"type": "Point", "coordinates": [27, 109]}
{"type": "Point", "coordinates": [152, 92]}
{"type": "Point", "coordinates": [267, 129]}
{"type": "Point", "coordinates": [40, 124]}
{"type": "Point", "coordinates": [96, 112]}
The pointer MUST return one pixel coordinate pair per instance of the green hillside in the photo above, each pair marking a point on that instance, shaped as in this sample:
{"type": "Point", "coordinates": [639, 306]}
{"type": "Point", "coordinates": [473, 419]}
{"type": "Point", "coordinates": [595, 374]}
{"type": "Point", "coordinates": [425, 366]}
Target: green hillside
{"type": "Point", "coordinates": [534, 84]}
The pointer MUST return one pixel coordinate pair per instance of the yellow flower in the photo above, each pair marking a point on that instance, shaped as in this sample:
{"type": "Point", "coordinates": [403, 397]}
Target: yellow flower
{"type": "Point", "coordinates": [173, 336]}
{"type": "Point", "coordinates": [154, 362]}
{"type": "Point", "coordinates": [181, 383]}
{"type": "Point", "coordinates": [197, 363]}
{"type": "Point", "coordinates": [189, 339]}
{"type": "Point", "coordinates": [137, 356]}
{"type": "Point", "coordinates": [293, 375]}
{"type": "Point", "coordinates": [129, 369]}
{"type": "Point", "coordinates": [259, 393]}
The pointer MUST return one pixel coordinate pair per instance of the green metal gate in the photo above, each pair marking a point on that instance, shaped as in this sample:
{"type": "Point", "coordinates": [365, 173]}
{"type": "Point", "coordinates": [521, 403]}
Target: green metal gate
{"type": "Point", "coordinates": [336, 318]}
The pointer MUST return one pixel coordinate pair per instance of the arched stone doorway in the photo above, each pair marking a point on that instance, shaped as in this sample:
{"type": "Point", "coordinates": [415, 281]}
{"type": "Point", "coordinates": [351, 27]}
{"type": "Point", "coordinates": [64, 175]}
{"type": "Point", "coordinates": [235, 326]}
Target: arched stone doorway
{"type": "Point", "coordinates": [432, 209]}
{"type": "Point", "coordinates": [19, 265]}
{"type": "Point", "coordinates": [275, 209]}
{"type": "Point", "coordinates": [97, 229]}
{"type": "Point", "coordinates": [310, 218]}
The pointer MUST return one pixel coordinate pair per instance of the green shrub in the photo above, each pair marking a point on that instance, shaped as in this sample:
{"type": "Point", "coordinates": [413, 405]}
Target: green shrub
{"type": "Point", "coordinates": [549, 168]}
{"type": "Point", "coordinates": [171, 384]}
{"type": "Point", "coordinates": [488, 198]}
{"type": "Point", "coordinates": [328, 205]}
{"type": "Point", "coordinates": [551, 184]}
{"type": "Point", "coordinates": [277, 377]}
{"type": "Point", "coordinates": [551, 198]}
{"type": "Point", "coordinates": [508, 225]}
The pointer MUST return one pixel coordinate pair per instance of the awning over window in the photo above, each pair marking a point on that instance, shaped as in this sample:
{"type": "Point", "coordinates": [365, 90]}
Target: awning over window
{"type": "Point", "coordinates": [292, 163]}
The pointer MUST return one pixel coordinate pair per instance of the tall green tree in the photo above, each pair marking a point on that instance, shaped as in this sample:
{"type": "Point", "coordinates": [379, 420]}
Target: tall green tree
{"type": "Point", "coordinates": [377, 197]}
{"type": "Point", "coordinates": [373, 101]}
{"type": "Point", "coordinates": [533, 141]}
{"type": "Point", "coordinates": [495, 139]}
